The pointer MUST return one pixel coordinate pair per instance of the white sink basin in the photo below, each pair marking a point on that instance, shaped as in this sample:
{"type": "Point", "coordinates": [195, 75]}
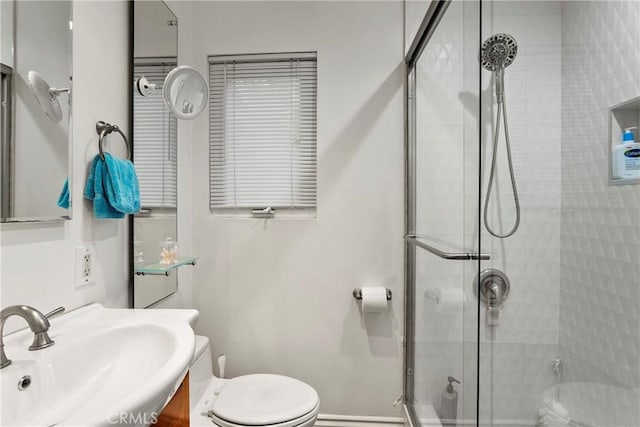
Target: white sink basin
{"type": "Point", "coordinates": [107, 367]}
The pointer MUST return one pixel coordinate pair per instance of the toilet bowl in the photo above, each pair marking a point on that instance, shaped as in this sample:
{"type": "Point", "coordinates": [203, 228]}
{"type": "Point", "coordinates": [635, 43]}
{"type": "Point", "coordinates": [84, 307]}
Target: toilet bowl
{"type": "Point", "coordinates": [257, 400]}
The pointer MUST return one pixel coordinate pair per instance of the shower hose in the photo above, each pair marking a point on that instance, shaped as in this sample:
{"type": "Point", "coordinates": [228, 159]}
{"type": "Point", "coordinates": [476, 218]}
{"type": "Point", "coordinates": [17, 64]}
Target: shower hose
{"type": "Point", "coordinates": [502, 110]}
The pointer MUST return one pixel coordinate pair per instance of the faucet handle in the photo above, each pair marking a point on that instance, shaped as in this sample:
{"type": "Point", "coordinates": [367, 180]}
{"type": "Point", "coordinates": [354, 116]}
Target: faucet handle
{"type": "Point", "coordinates": [41, 340]}
{"type": "Point", "coordinates": [54, 312]}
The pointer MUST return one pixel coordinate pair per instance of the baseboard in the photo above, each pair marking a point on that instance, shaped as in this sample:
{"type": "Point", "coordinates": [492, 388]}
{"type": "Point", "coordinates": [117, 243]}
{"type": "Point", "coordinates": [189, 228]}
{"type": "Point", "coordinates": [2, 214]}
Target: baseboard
{"type": "Point", "coordinates": [330, 420]}
{"type": "Point", "coordinates": [499, 422]}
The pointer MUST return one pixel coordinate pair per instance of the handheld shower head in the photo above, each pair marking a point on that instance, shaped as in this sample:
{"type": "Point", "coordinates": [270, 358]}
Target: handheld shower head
{"type": "Point", "coordinates": [498, 52]}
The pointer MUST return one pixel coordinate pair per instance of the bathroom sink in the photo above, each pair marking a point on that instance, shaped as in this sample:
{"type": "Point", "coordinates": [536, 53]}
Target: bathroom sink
{"type": "Point", "coordinates": [108, 366]}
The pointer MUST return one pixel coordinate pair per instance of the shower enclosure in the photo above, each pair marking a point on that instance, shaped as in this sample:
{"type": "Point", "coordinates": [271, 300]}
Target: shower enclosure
{"type": "Point", "coordinates": [539, 321]}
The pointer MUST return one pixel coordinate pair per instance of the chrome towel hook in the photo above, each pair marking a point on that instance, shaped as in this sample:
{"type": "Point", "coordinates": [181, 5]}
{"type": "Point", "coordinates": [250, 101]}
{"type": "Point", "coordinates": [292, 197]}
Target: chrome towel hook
{"type": "Point", "coordinates": [103, 129]}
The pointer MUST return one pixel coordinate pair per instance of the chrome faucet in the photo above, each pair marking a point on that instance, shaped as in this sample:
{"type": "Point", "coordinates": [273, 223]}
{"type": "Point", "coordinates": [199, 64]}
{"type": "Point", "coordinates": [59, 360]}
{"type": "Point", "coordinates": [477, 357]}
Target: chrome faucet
{"type": "Point", "coordinates": [492, 287]}
{"type": "Point", "coordinates": [38, 323]}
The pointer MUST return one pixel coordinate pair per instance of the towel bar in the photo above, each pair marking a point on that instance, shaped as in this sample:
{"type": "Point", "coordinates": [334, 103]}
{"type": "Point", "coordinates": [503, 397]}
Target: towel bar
{"type": "Point", "coordinates": [413, 239]}
{"type": "Point", "coordinates": [103, 129]}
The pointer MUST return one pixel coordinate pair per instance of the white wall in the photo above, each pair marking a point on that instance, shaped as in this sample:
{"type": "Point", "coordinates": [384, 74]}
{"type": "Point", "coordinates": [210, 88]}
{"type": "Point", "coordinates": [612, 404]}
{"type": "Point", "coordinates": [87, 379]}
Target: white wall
{"type": "Point", "coordinates": [38, 260]}
{"type": "Point", "coordinates": [6, 33]}
{"type": "Point", "coordinates": [275, 295]}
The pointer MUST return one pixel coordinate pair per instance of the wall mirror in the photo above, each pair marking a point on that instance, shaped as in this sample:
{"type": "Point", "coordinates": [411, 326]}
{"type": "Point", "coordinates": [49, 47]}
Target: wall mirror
{"type": "Point", "coordinates": [35, 144]}
{"type": "Point", "coordinates": [155, 42]}
{"type": "Point", "coordinates": [186, 92]}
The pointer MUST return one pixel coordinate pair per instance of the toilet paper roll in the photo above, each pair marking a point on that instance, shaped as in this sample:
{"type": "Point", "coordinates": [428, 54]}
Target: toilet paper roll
{"type": "Point", "coordinates": [447, 300]}
{"type": "Point", "coordinates": [374, 299]}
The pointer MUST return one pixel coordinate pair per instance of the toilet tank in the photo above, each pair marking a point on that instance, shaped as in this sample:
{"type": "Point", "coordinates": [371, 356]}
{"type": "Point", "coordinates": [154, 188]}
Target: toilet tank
{"type": "Point", "coordinates": [200, 371]}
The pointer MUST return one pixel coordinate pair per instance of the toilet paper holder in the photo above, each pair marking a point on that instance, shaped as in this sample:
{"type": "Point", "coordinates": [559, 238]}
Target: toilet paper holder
{"type": "Point", "coordinates": [357, 294]}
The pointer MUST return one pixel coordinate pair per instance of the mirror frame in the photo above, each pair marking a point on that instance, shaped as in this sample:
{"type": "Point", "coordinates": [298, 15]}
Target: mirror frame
{"type": "Point", "coordinates": [132, 218]}
{"type": "Point", "coordinates": [169, 88]}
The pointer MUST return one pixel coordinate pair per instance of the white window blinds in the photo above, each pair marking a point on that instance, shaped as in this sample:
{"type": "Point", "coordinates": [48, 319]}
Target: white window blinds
{"type": "Point", "coordinates": [262, 131]}
{"type": "Point", "coordinates": [154, 138]}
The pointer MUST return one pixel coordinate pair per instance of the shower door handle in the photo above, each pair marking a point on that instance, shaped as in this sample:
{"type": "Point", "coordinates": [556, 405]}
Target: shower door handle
{"type": "Point", "coordinates": [413, 239]}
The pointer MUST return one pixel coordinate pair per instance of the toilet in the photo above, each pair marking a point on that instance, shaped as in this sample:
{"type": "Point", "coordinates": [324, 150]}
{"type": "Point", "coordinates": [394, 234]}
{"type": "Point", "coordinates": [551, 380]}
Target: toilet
{"type": "Point", "coordinates": [587, 404]}
{"type": "Point", "coordinates": [257, 400]}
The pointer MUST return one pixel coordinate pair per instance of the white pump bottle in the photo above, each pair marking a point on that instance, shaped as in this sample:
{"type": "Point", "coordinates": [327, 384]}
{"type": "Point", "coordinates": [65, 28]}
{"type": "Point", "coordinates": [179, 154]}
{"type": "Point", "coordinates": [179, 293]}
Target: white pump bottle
{"type": "Point", "coordinates": [626, 157]}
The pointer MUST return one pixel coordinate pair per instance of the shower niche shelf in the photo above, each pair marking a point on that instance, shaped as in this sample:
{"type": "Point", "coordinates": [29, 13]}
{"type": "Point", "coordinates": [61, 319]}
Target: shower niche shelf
{"type": "Point", "coordinates": [622, 116]}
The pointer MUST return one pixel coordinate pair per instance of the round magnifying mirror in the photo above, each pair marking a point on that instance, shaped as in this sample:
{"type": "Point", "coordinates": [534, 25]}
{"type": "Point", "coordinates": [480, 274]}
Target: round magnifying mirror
{"type": "Point", "coordinates": [185, 92]}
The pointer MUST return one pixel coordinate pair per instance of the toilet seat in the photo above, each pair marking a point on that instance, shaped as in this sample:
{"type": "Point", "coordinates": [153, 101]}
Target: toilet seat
{"type": "Point", "coordinates": [265, 400]}
{"type": "Point", "coordinates": [292, 423]}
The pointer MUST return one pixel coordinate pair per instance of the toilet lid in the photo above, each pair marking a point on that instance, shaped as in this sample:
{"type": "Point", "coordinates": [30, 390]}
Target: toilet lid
{"type": "Point", "coordinates": [263, 399]}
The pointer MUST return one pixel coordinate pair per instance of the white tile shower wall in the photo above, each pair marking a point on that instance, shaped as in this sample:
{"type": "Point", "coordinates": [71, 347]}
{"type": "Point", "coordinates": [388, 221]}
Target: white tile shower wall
{"type": "Point", "coordinates": [37, 261]}
{"type": "Point", "coordinates": [515, 356]}
{"type": "Point", "coordinates": [275, 296]}
{"type": "Point", "coordinates": [531, 256]}
{"type": "Point", "coordinates": [600, 240]}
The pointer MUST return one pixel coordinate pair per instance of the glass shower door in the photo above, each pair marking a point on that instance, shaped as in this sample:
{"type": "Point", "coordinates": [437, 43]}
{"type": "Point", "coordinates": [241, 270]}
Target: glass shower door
{"type": "Point", "coordinates": [533, 302]}
{"type": "Point", "coordinates": [565, 349]}
{"type": "Point", "coordinates": [442, 217]}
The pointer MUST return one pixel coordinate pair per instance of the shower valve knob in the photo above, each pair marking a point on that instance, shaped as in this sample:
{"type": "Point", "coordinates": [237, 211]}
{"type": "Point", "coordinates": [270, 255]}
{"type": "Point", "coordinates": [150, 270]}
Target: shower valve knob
{"type": "Point", "coordinates": [492, 287]}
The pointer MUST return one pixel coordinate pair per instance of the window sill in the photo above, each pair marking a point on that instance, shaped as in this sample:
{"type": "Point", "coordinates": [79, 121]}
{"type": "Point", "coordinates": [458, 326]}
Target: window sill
{"type": "Point", "coordinates": [281, 214]}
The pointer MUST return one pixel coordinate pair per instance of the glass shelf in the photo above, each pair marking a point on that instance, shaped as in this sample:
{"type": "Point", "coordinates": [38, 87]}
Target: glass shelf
{"type": "Point", "coordinates": [158, 269]}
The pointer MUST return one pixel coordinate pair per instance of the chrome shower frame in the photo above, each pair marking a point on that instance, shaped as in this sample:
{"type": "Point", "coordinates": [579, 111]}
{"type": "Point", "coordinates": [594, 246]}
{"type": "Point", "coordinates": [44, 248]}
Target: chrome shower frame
{"type": "Point", "coordinates": [432, 18]}
{"type": "Point", "coordinates": [430, 22]}
{"type": "Point", "coordinates": [6, 142]}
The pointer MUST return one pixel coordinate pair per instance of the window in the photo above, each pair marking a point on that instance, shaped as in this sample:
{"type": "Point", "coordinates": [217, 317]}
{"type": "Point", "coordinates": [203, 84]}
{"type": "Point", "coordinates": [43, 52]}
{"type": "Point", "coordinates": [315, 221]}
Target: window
{"type": "Point", "coordinates": [262, 132]}
{"type": "Point", "coordinates": [155, 136]}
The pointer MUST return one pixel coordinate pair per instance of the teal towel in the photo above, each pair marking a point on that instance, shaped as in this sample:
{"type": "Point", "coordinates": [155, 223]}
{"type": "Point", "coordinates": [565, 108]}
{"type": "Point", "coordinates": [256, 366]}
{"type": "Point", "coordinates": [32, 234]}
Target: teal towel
{"type": "Point", "coordinates": [113, 187]}
{"type": "Point", "coordinates": [122, 188]}
{"type": "Point", "coordinates": [94, 190]}
{"type": "Point", "coordinates": [63, 200]}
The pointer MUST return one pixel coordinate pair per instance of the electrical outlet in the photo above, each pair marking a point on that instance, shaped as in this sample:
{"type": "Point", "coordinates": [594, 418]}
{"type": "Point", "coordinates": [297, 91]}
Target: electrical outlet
{"type": "Point", "coordinates": [85, 266]}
